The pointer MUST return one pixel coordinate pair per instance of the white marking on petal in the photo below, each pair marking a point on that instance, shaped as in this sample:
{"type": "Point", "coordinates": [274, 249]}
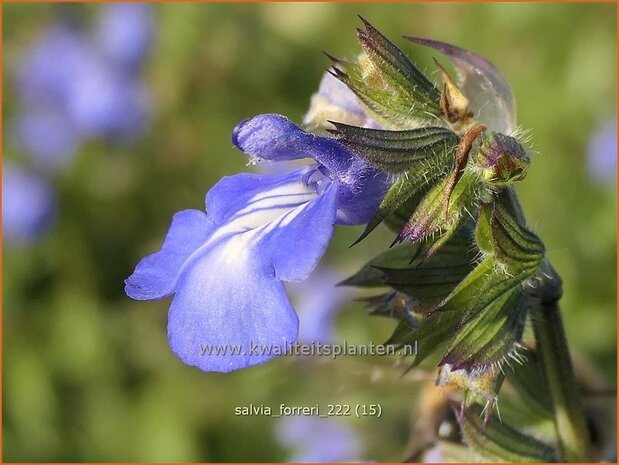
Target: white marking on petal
{"type": "Point", "coordinates": [266, 221]}
{"type": "Point", "coordinates": [268, 205]}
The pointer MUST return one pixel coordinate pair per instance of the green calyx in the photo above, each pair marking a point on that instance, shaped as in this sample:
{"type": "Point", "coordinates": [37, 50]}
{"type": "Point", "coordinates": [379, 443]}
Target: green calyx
{"type": "Point", "coordinates": [465, 273]}
{"type": "Point", "coordinates": [446, 163]}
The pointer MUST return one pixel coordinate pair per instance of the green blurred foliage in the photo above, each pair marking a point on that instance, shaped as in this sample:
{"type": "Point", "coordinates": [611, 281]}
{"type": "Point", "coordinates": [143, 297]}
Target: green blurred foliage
{"type": "Point", "coordinates": [87, 374]}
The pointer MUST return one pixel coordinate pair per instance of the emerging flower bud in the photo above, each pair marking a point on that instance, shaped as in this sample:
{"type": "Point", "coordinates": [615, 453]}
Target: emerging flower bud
{"type": "Point", "coordinates": [500, 158]}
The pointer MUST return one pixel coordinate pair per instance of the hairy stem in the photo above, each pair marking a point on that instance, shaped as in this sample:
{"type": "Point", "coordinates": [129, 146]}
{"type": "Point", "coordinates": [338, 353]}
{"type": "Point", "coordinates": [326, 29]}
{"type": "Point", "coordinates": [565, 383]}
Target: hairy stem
{"type": "Point", "coordinates": [569, 419]}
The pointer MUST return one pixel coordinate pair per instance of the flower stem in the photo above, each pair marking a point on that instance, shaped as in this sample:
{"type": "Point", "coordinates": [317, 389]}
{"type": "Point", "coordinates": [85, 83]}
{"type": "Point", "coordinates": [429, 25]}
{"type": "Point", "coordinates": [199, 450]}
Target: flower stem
{"type": "Point", "coordinates": [569, 419]}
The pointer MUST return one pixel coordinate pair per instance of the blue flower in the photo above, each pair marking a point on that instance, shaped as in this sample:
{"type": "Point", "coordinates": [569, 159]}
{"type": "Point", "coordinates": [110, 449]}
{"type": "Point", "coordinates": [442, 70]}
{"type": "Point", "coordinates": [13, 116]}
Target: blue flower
{"type": "Point", "coordinates": [28, 205]}
{"type": "Point", "coordinates": [125, 32]}
{"type": "Point", "coordinates": [46, 72]}
{"type": "Point", "coordinates": [602, 153]}
{"type": "Point", "coordinates": [107, 102]}
{"type": "Point", "coordinates": [47, 136]}
{"type": "Point", "coordinates": [226, 266]}
{"type": "Point", "coordinates": [318, 440]}
{"type": "Point", "coordinates": [434, 455]}
{"type": "Point", "coordinates": [74, 87]}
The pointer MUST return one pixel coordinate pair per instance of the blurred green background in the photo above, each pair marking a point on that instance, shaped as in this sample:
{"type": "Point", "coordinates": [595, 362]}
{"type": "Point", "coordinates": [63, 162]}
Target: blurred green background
{"type": "Point", "coordinates": [87, 373]}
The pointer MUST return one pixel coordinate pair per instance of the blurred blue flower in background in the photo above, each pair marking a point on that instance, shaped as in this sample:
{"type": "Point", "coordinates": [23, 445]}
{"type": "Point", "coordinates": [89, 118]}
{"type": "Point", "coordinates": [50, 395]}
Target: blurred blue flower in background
{"type": "Point", "coordinates": [602, 152]}
{"type": "Point", "coordinates": [107, 102]}
{"type": "Point", "coordinates": [226, 267]}
{"type": "Point", "coordinates": [28, 205]}
{"type": "Point", "coordinates": [317, 301]}
{"type": "Point", "coordinates": [318, 440]}
{"type": "Point", "coordinates": [76, 85]}
{"type": "Point", "coordinates": [47, 71]}
{"type": "Point", "coordinates": [47, 136]}
{"type": "Point", "coordinates": [125, 32]}
{"type": "Point", "coordinates": [434, 455]}
{"type": "Point", "coordinates": [45, 79]}
{"type": "Point", "coordinates": [73, 86]}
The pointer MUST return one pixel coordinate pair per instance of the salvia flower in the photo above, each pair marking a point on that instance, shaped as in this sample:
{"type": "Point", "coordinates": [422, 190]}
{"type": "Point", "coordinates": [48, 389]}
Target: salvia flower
{"type": "Point", "coordinates": [360, 186]}
{"type": "Point", "coordinates": [226, 266]}
{"type": "Point", "coordinates": [28, 205]}
{"type": "Point", "coordinates": [42, 127]}
{"type": "Point", "coordinates": [48, 66]}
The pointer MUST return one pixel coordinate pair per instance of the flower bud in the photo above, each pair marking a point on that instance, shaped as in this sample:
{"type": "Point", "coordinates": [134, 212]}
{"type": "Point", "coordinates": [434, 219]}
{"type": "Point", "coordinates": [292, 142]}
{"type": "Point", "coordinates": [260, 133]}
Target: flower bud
{"type": "Point", "coordinates": [500, 158]}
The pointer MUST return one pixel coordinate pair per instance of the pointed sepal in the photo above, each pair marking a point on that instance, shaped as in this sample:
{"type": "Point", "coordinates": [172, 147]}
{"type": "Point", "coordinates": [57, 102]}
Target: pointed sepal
{"type": "Point", "coordinates": [388, 83]}
{"type": "Point", "coordinates": [430, 282]}
{"type": "Point", "coordinates": [490, 336]}
{"type": "Point", "coordinates": [370, 274]}
{"type": "Point", "coordinates": [407, 192]}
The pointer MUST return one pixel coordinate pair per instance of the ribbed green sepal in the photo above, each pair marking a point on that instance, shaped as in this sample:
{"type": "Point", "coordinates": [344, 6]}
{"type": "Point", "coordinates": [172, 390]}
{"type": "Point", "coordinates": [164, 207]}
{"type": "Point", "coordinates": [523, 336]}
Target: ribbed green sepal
{"type": "Point", "coordinates": [498, 442]}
